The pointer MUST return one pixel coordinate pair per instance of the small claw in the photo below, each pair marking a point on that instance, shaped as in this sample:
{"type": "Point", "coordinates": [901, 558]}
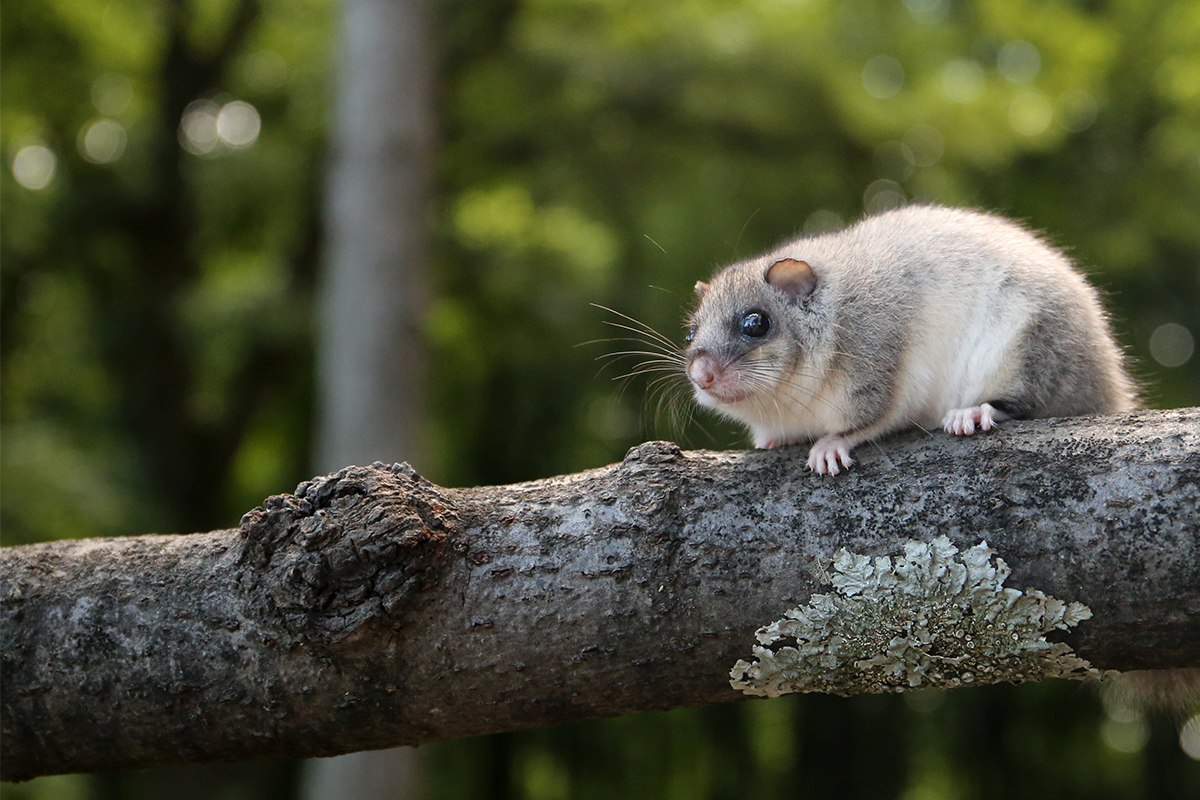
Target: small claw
{"type": "Point", "coordinates": [829, 455]}
{"type": "Point", "coordinates": [962, 421]}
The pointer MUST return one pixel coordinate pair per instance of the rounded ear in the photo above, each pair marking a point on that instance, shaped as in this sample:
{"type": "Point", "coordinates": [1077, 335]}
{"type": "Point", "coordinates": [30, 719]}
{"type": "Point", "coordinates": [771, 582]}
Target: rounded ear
{"type": "Point", "coordinates": [700, 288]}
{"type": "Point", "coordinates": [793, 278]}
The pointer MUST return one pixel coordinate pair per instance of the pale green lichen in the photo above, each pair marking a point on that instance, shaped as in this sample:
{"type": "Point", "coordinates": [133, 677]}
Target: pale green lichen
{"type": "Point", "coordinates": [927, 618]}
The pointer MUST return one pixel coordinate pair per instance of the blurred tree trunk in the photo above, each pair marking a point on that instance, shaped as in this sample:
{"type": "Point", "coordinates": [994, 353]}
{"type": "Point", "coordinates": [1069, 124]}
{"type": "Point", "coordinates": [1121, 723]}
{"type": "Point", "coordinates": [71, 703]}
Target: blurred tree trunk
{"type": "Point", "coordinates": [370, 351]}
{"type": "Point", "coordinates": [370, 354]}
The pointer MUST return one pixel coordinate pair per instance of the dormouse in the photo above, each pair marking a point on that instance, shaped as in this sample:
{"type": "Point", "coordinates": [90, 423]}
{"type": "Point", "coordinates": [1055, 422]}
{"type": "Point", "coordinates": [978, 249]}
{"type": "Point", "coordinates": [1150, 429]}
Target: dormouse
{"type": "Point", "coordinates": [920, 316]}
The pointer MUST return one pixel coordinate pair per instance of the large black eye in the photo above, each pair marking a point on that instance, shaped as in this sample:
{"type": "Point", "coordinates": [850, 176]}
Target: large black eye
{"type": "Point", "coordinates": [691, 334]}
{"type": "Point", "coordinates": [755, 323]}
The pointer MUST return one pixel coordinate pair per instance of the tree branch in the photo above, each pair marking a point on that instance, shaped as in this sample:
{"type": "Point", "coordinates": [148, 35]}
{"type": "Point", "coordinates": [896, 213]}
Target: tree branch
{"type": "Point", "coordinates": [373, 609]}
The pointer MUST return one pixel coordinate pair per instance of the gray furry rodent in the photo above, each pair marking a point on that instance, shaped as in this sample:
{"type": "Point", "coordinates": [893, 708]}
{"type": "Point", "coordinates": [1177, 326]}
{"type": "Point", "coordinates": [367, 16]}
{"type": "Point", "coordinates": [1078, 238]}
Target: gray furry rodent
{"type": "Point", "coordinates": [920, 316]}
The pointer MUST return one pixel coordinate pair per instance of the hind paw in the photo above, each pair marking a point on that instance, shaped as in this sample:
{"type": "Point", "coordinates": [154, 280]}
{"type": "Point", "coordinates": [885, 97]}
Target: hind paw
{"type": "Point", "coordinates": [964, 421]}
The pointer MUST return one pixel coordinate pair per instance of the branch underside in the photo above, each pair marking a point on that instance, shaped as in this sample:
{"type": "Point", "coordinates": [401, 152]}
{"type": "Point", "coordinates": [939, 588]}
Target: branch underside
{"type": "Point", "coordinates": [373, 609]}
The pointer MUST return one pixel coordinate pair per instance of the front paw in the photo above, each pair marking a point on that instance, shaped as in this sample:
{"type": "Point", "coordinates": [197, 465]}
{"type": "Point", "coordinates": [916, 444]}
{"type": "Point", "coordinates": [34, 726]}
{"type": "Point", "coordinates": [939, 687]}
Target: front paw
{"type": "Point", "coordinates": [830, 454]}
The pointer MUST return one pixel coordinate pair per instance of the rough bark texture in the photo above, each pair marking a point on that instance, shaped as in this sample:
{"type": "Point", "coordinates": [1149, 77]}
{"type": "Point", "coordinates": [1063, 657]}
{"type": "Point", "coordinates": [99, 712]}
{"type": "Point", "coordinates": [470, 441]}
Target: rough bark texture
{"type": "Point", "coordinates": [373, 608]}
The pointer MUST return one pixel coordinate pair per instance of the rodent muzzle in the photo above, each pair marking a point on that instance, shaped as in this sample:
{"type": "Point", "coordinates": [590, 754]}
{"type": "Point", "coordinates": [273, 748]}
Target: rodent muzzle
{"type": "Point", "coordinates": [716, 380]}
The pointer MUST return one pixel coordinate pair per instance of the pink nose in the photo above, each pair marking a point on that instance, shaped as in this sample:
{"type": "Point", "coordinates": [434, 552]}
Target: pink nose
{"type": "Point", "coordinates": [703, 373]}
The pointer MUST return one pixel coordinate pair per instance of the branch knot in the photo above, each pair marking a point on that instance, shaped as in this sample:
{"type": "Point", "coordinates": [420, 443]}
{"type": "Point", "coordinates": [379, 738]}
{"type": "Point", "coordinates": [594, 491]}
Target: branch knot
{"type": "Point", "coordinates": [345, 549]}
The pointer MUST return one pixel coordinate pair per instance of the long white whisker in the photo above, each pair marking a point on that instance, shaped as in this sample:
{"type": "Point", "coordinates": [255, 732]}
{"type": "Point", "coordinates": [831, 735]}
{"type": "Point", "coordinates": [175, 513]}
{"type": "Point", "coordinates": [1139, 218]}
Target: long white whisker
{"type": "Point", "coordinates": [648, 336]}
{"type": "Point", "coordinates": [641, 339]}
{"type": "Point", "coordinates": [666, 357]}
{"type": "Point", "coordinates": [648, 371]}
{"type": "Point", "coordinates": [641, 326]}
{"type": "Point", "coordinates": [657, 363]}
{"type": "Point", "coordinates": [760, 373]}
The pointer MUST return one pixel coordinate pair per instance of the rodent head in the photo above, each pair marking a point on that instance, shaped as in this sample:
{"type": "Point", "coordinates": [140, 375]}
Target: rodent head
{"type": "Point", "coordinates": [751, 330]}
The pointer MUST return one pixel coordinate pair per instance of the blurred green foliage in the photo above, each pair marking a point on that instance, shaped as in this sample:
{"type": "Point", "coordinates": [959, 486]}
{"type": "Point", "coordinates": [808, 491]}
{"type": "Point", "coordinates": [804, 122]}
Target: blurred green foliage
{"type": "Point", "coordinates": [155, 306]}
{"type": "Point", "coordinates": [156, 302]}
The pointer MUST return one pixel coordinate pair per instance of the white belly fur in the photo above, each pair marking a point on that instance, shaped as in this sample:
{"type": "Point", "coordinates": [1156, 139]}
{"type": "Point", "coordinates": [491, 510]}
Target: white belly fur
{"type": "Point", "coordinates": [966, 354]}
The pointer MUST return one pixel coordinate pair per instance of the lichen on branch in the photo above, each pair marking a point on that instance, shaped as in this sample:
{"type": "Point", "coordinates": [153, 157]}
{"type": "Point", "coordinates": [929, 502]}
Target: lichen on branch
{"type": "Point", "coordinates": [930, 617]}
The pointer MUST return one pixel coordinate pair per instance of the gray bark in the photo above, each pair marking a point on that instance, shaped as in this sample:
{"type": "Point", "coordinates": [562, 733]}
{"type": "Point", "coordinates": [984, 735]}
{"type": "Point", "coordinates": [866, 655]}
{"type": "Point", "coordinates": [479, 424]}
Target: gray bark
{"type": "Point", "coordinates": [372, 608]}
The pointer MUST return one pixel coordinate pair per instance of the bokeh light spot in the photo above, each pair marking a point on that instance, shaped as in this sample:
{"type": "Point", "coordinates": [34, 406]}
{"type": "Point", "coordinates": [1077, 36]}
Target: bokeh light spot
{"type": "Point", "coordinates": [925, 701]}
{"type": "Point", "coordinates": [731, 33]}
{"type": "Point", "coordinates": [823, 221]}
{"type": "Point", "coordinates": [1019, 61]}
{"type": "Point", "coordinates": [1172, 345]}
{"type": "Point", "coordinates": [1030, 113]}
{"type": "Point", "coordinates": [962, 80]}
{"type": "Point", "coordinates": [928, 11]}
{"type": "Point", "coordinates": [198, 128]}
{"type": "Point", "coordinates": [883, 195]}
{"type": "Point", "coordinates": [1189, 737]}
{"type": "Point", "coordinates": [883, 77]}
{"type": "Point", "coordinates": [33, 166]}
{"type": "Point", "coordinates": [1125, 737]}
{"type": "Point", "coordinates": [102, 141]}
{"type": "Point", "coordinates": [238, 124]}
